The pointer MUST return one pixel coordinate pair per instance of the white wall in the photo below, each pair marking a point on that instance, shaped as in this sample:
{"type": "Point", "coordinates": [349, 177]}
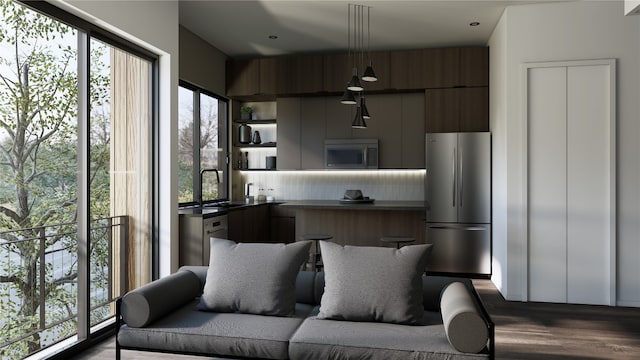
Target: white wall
{"type": "Point", "coordinates": [152, 25]}
{"type": "Point", "coordinates": [563, 31]}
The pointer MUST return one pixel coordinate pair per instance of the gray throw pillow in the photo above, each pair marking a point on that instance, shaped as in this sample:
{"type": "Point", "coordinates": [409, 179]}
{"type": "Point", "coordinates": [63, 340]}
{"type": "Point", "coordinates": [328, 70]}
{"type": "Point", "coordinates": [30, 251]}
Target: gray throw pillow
{"type": "Point", "coordinates": [253, 278]}
{"type": "Point", "coordinates": [373, 283]}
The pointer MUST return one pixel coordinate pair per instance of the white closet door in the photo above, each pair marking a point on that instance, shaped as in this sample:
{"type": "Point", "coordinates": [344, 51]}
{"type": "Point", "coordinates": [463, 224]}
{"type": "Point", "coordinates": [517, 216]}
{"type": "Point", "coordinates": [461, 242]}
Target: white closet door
{"type": "Point", "coordinates": [547, 184]}
{"type": "Point", "coordinates": [588, 184]}
{"type": "Point", "coordinates": [571, 182]}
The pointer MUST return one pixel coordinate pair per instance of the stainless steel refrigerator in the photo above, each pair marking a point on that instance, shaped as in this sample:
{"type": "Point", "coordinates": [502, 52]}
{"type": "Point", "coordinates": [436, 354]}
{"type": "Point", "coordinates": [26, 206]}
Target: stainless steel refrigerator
{"type": "Point", "coordinates": [458, 196]}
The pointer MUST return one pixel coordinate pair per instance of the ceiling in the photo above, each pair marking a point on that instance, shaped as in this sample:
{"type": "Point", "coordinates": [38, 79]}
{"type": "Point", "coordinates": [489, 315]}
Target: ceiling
{"type": "Point", "coordinates": [242, 28]}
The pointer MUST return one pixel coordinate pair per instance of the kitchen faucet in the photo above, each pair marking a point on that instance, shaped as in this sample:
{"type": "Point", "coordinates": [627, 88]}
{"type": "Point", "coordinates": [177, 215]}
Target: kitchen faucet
{"type": "Point", "coordinates": [247, 195]}
{"type": "Point", "coordinates": [201, 174]}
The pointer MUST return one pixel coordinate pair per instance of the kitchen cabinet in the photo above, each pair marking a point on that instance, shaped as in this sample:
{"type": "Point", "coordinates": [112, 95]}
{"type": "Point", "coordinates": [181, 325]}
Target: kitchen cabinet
{"type": "Point", "coordinates": [252, 77]}
{"type": "Point", "coordinates": [301, 133]}
{"type": "Point", "coordinates": [396, 70]}
{"type": "Point", "coordinates": [194, 235]}
{"type": "Point", "coordinates": [413, 129]}
{"type": "Point", "coordinates": [407, 70]}
{"type": "Point", "coordinates": [288, 134]}
{"type": "Point", "coordinates": [298, 75]}
{"type": "Point", "coordinates": [439, 68]}
{"type": "Point", "coordinates": [338, 118]}
{"type": "Point", "coordinates": [249, 223]}
{"type": "Point", "coordinates": [457, 109]}
{"type": "Point", "coordinates": [474, 66]}
{"type": "Point", "coordinates": [283, 224]}
{"type": "Point", "coordinates": [312, 132]}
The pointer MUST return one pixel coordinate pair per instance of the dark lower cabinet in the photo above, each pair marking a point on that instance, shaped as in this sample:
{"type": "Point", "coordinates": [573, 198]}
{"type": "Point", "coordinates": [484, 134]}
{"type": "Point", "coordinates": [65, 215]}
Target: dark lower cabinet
{"type": "Point", "coordinates": [283, 225]}
{"type": "Point", "coordinates": [249, 224]}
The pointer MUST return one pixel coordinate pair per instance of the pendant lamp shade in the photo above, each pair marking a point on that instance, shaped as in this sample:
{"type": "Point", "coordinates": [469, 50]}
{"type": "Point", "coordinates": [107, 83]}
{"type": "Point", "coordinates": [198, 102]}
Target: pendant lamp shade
{"type": "Point", "coordinates": [369, 75]}
{"type": "Point", "coordinates": [354, 83]}
{"type": "Point", "coordinates": [363, 109]}
{"type": "Point", "coordinates": [348, 98]}
{"type": "Point", "coordinates": [358, 121]}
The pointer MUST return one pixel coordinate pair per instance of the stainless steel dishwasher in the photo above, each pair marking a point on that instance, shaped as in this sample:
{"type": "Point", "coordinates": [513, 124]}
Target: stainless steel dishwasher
{"type": "Point", "coordinates": [217, 227]}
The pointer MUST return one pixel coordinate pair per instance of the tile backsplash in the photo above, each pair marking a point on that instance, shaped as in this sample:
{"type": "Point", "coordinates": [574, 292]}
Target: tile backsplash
{"type": "Point", "coordinates": [331, 185]}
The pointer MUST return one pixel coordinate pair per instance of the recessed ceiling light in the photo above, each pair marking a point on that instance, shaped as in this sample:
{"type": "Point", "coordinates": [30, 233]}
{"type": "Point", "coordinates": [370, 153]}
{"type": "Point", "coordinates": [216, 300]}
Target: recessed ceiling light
{"type": "Point", "coordinates": [273, 37]}
{"type": "Point", "coordinates": [474, 23]}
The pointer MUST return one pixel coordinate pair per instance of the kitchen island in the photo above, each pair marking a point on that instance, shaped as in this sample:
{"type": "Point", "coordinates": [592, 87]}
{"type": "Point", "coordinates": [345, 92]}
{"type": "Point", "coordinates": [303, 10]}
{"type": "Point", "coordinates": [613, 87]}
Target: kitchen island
{"type": "Point", "coordinates": [362, 224]}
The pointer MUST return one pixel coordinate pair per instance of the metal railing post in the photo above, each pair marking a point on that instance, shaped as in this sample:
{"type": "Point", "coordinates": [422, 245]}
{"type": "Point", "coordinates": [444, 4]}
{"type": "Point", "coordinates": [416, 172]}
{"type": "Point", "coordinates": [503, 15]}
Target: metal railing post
{"type": "Point", "coordinates": [42, 292]}
{"type": "Point", "coordinates": [124, 233]}
{"type": "Point", "coordinates": [109, 239]}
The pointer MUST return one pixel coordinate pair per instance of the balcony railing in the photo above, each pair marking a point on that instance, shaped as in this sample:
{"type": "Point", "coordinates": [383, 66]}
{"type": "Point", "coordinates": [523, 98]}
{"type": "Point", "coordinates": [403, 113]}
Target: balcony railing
{"type": "Point", "coordinates": [39, 287]}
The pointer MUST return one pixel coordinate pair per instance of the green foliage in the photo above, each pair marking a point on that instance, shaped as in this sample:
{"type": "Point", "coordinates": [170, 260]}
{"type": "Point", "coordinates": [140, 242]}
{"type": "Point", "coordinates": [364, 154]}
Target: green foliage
{"type": "Point", "coordinates": [38, 176]}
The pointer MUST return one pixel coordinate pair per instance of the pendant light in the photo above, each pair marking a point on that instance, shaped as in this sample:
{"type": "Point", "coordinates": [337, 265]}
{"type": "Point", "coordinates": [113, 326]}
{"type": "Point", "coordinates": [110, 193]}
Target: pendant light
{"type": "Point", "coordinates": [358, 121]}
{"type": "Point", "coordinates": [363, 108]}
{"type": "Point", "coordinates": [354, 93]}
{"type": "Point", "coordinates": [354, 83]}
{"type": "Point", "coordinates": [369, 74]}
{"type": "Point", "coordinates": [348, 98]}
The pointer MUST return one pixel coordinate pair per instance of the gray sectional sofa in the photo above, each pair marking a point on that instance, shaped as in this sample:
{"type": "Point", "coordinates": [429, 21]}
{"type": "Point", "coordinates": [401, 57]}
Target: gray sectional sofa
{"type": "Point", "coordinates": [163, 316]}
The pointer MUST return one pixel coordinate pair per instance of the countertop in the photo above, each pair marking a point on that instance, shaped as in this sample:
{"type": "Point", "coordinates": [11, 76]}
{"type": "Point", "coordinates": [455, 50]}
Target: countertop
{"type": "Point", "coordinates": [308, 204]}
{"type": "Point", "coordinates": [337, 205]}
{"type": "Point", "coordinates": [211, 211]}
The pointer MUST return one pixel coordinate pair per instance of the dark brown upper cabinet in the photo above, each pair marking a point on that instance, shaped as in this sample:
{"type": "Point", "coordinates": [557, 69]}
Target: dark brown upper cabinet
{"type": "Point", "coordinates": [474, 66]}
{"type": "Point", "coordinates": [405, 70]}
{"type": "Point", "coordinates": [457, 109]}
{"type": "Point", "coordinates": [251, 78]}
{"type": "Point", "coordinates": [298, 75]}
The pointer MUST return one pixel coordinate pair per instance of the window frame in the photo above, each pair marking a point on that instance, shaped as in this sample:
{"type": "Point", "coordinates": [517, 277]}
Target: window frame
{"type": "Point", "coordinates": [223, 142]}
{"type": "Point", "coordinates": [86, 334]}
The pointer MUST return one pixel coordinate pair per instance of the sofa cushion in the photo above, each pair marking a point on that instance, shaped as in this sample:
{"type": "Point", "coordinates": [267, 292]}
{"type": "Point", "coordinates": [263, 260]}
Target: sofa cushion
{"type": "Point", "coordinates": [465, 328]}
{"type": "Point", "coordinates": [253, 278]}
{"type": "Point", "coordinates": [224, 334]}
{"type": "Point", "coordinates": [331, 339]}
{"type": "Point", "coordinates": [149, 302]}
{"type": "Point", "coordinates": [373, 283]}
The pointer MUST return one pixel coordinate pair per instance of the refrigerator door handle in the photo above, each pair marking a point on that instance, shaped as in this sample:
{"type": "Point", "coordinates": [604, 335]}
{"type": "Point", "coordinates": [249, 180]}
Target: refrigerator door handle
{"type": "Point", "coordinates": [466, 228]}
{"type": "Point", "coordinates": [461, 182]}
{"type": "Point", "coordinates": [454, 178]}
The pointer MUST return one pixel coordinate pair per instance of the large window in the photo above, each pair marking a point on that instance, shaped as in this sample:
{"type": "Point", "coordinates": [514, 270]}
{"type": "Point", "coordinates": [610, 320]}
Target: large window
{"type": "Point", "coordinates": [76, 115]}
{"type": "Point", "coordinates": [202, 143]}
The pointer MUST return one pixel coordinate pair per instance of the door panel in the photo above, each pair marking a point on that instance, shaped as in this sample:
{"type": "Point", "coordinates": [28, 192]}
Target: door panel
{"type": "Point", "coordinates": [589, 189]}
{"type": "Point", "coordinates": [459, 248]}
{"type": "Point", "coordinates": [441, 158]}
{"type": "Point", "coordinates": [474, 178]}
{"type": "Point", "coordinates": [547, 184]}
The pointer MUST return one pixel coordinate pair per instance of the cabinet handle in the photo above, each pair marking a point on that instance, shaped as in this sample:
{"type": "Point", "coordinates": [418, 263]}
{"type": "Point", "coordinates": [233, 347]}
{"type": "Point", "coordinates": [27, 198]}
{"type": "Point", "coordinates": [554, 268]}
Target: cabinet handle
{"type": "Point", "coordinates": [217, 223]}
{"type": "Point", "coordinates": [454, 177]}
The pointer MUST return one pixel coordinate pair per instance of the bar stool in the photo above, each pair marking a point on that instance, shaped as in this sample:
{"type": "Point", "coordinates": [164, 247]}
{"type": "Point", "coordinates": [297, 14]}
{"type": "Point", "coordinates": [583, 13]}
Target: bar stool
{"type": "Point", "coordinates": [398, 240]}
{"type": "Point", "coordinates": [316, 261]}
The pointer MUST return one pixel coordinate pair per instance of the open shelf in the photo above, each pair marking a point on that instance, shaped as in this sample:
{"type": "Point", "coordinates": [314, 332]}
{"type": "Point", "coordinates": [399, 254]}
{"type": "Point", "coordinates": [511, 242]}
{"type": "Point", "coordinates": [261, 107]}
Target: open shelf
{"type": "Point", "coordinates": [263, 145]}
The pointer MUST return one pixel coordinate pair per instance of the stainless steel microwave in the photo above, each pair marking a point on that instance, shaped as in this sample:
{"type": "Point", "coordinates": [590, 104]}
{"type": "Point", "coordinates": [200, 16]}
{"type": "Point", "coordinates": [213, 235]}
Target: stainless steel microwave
{"type": "Point", "coordinates": [351, 154]}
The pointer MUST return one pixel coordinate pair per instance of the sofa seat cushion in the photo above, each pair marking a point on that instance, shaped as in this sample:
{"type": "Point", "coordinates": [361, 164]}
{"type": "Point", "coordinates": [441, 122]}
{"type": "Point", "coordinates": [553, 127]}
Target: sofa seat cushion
{"type": "Point", "coordinates": [333, 339]}
{"type": "Point", "coordinates": [226, 334]}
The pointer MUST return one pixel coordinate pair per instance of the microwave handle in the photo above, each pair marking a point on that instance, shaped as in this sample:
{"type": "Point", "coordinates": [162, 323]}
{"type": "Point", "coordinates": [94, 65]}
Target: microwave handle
{"type": "Point", "coordinates": [366, 157]}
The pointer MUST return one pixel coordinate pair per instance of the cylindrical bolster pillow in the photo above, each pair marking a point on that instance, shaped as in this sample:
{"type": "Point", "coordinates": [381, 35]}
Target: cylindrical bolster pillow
{"type": "Point", "coordinates": [465, 328]}
{"type": "Point", "coordinates": [147, 303]}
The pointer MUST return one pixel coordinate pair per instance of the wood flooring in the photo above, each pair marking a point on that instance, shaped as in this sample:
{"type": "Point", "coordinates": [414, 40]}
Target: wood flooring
{"type": "Point", "coordinates": [523, 331]}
